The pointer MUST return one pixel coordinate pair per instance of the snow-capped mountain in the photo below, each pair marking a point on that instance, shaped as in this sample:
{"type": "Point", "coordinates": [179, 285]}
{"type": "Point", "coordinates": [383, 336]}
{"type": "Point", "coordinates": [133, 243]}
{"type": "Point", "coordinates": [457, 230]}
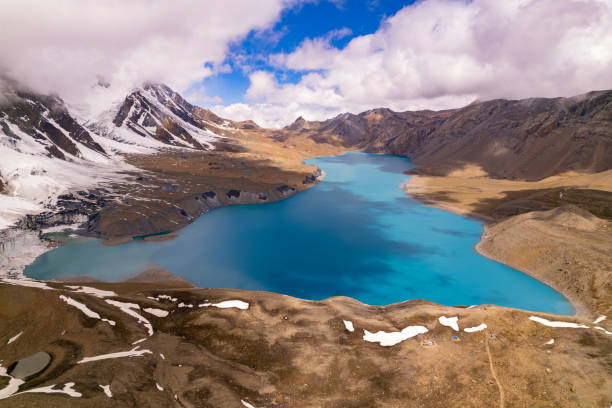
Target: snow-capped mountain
{"type": "Point", "coordinates": [43, 152]}
{"type": "Point", "coordinates": [46, 120]}
{"type": "Point", "coordinates": [153, 116]}
{"type": "Point", "coordinates": [47, 148]}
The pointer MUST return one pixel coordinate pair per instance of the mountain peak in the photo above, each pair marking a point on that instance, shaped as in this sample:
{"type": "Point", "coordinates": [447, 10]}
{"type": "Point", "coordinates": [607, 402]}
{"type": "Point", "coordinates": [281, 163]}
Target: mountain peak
{"type": "Point", "coordinates": [298, 124]}
{"type": "Point", "coordinates": [158, 113]}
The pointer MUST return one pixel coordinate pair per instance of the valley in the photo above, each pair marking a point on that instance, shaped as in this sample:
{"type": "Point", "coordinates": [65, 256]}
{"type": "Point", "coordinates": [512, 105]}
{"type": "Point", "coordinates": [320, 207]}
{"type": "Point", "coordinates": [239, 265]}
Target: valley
{"type": "Point", "coordinates": [306, 204]}
{"type": "Point", "coordinates": [154, 163]}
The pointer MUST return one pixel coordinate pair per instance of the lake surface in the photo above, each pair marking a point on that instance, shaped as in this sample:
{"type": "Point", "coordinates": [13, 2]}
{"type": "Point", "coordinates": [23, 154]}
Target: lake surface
{"type": "Point", "coordinates": [355, 234]}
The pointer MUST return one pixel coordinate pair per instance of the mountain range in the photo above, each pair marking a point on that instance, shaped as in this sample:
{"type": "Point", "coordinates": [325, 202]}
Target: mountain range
{"type": "Point", "coordinates": [150, 163]}
{"type": "Point", "coordinates": [528, 139]}
{"type": "Point", "coordinates": [47, 147]}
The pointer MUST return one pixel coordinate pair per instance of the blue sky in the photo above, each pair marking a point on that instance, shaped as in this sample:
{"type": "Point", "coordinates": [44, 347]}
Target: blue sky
{"type": "Point", "coordinates": [309, 20]}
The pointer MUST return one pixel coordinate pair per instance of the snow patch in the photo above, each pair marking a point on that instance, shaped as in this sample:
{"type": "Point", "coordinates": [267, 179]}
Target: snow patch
{"type": "Point", "coordinates": [557, 324]}
{"type": "Point", "coordinates": [13, 385]}
{"type": "Point", "coordinates": [68, 390]}
{"type": "Point", "coordinates": [392, 338]}
{"type": "Point", "coordinates": [156, 312]}
{"type": "Point", "coordinates": [599, 319]}
{"type": "Point", "coordinates": [349, 325]}
{"type": "Point", "coordinates": [15, 337]}
{"type": "Point", "coordinates": [602, 329]}
{"type": "Point", "coordinates": [159, 298]}
{"type": "Point", "coordinates": [450, 322]}
{"type": "Point", "coordinates": [130, 353]}
{"type": "Point", "coordinates": [107, 391]}
{"type": "Point", "coordinates": [159, 387]}
{"type": "Point", "coordinates": [83, 308]}
{"type": "Point", "coordinates": [238, 304]}
{"type": "Point", "coordinates": [62, 228]}
{"type": "Point", "coordinates": [550, 342]}
{"type": "Point", "coordinates": [27, 282]}
{"type": "Point", "coordinates": [246, 404]}
{"type": "Point", "coordinates": [185, 305]}
{"type": "Point", "coordinates": [93, 291]}
{"type": "Point", "coordinates": [478, 328]}
{"type": "Point", "coordinates": [13, 208]}
{"type": "Point", "coordinates": [127, 308]}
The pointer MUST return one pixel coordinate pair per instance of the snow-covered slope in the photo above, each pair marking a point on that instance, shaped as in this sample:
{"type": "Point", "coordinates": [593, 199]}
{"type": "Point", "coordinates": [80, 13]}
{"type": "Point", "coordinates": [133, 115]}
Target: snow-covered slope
{"type": "Point", "coordinates": [44, 152]}
{"type": "Point", "coordinates": [153, 116]}
{"type": "Point", "coordinates": [47, 149]}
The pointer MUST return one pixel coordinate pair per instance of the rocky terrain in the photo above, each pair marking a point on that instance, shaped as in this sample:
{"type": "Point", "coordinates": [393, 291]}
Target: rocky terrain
{"type": "Point", "coordinates": [49, 150]}
{"type": "Point", "coordinates": [527, 139]}
{"type": "Point", "coordinates": [167, 345]}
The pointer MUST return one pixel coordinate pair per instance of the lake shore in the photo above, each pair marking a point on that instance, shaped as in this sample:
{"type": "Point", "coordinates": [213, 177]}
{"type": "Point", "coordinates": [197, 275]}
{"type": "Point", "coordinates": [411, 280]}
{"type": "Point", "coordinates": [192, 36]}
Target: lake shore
{"type": "Point", "coordinates": [564, 248]}
{"type": "Point", "coordinates": [369, 179]}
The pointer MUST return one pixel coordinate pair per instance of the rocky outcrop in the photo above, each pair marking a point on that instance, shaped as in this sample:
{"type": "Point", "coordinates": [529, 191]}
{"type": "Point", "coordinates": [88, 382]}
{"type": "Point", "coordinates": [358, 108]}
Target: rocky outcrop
{"type": "Point", "coordinates": [313, 178]}
{"type": "Point", "coordinates": [47, 120]}
{"type": "Point", "coordinates": [207, 116]}
{"type": "Point", "coordinates": [182, 212]}
{"type": "Point", "coordinates": [69, 209]}
{"type": "Point", "coordinates": [18, 249]}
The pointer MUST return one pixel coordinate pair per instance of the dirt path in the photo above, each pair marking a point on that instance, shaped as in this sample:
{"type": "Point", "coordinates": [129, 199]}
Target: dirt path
{"type": "Point", "coordinates": [501, 390]}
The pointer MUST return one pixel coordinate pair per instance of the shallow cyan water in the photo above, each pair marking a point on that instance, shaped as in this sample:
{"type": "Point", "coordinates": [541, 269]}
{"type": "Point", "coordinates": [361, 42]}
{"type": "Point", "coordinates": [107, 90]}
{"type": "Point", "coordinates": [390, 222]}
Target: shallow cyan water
{"type": "Point", "coordinates": [355, 234]}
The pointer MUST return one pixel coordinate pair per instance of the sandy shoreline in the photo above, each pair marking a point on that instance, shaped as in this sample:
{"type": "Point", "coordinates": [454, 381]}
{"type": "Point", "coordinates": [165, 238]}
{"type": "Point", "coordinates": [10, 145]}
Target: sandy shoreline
{"type": "Point", "coordinates": [580, 309]}
{"type": "Point", "coordinates": [424, 192]}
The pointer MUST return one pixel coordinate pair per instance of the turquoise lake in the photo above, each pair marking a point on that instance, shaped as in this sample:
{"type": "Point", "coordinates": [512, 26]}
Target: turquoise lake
{"type": "Point", "coordinates": [354, 234]}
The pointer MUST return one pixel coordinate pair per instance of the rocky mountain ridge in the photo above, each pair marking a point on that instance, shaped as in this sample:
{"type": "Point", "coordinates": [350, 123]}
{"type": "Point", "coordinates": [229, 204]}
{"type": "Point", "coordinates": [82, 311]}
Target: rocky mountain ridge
{"type": "Point", "coordinates": [47, 148]}
{"type": "Point", "coordinates": [528, 139]}
{"type": "Point", "coordinates": [47, 121]}
{"type": "Point", "coordinates": [157, 112]}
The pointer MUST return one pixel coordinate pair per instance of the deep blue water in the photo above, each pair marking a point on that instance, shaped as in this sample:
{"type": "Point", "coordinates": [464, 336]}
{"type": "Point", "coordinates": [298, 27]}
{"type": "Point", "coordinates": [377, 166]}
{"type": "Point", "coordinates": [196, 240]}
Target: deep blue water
{"type": "Point", "coordinates": [355, 234]}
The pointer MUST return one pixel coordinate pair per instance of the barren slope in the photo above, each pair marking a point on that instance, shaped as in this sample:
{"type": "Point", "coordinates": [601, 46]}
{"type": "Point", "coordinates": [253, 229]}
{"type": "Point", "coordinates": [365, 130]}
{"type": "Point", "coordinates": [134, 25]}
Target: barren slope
{"type": "Point", "coordinates": [271, 350]}
{"type": "Point", "coordinates": [567, 248]}
{"type": "Point", "coordinates": [526, 139]}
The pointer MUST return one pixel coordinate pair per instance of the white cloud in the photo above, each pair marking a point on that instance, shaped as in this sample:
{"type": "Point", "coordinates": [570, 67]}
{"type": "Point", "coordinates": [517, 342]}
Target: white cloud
{"type": "Point", "coordinates": [262, 84]}
{"type": "Point", "coordinates": [312, 54]}
{"type": "Point", "coordinates": [443, 53]}
{"type": "Point", "coordinates": [65, 46]}
{"type": "Point", "coordinates": [197, 94]}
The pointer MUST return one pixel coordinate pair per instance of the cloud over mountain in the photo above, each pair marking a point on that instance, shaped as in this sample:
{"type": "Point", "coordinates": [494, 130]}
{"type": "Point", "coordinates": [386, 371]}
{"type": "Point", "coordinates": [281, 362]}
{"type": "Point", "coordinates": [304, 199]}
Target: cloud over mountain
{"type": "Point", "coordinates": [67, 46]}
{"type": "Point", "coordinates": [440, 54]}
